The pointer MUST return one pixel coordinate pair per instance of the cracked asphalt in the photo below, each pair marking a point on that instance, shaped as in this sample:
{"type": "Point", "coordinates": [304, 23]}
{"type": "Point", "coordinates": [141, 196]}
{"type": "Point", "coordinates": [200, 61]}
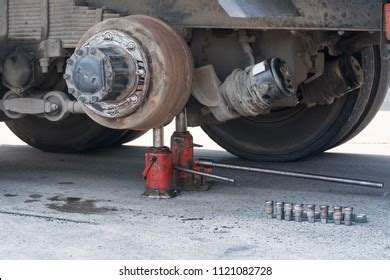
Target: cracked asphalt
{"type": "Point", "coordinates": [89, 206]}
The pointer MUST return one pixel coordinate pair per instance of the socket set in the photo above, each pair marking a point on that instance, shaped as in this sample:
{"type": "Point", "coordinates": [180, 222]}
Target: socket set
{"type": "Point", "coordinates": [298, 212]}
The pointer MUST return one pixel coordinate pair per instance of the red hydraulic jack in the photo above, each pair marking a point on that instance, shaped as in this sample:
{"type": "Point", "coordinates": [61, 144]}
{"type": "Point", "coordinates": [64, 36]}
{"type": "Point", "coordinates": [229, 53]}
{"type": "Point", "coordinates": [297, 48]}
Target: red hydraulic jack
{"type": "Point", "coordinates": [168, 172]}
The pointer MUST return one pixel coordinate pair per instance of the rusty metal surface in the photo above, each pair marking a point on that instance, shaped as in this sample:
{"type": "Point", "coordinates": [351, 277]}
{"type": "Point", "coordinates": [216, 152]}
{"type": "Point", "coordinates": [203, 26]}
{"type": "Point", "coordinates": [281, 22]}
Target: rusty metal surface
{"type": "Point", "coordinates": [255, 8]}
{"type": "Point", "coordinates": [42, 19]}
{"type": "Point", "coordinates": [170, 63]}
{"type": "Point", "coordinates": [314, 14]}
{"type": "Point", "coordinates": [3, 19]}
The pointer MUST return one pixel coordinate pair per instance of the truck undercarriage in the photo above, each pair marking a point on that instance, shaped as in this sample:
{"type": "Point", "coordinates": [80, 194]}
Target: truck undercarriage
{"type": "Point", "coordinates": [266, 80]}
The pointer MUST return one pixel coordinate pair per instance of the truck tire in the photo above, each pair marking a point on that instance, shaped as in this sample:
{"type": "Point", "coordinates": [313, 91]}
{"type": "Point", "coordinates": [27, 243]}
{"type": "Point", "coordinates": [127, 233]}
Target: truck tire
{"type": "Point", "coordinates": [77, 133]}
{"type": "Point", "coordinates": [129, 136]}
{"type": "Point", "coordinates": [294, 133]}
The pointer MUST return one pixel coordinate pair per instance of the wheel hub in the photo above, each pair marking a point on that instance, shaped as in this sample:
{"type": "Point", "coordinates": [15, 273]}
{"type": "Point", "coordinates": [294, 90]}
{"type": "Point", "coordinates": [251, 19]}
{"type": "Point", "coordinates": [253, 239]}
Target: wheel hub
{"type": "Point", "coordinates": [109, 74]}
{"type": "Point", "coordinates": [132, 73]}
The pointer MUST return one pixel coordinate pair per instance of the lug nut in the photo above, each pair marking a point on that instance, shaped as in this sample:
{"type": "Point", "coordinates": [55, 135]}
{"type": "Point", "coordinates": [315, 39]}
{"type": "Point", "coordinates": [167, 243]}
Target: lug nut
{"type": "Point", "coordinates": [269, 209]}
{"type": "Point", "coordinates": [337, 215]}
{"type": "Point", "coordinates": [131, 46]}
{"type": "Point", "coordinates": [279, 210]}
{"type": "Point", "coordinates": [324, 209]}
{"type": "Point", "coordinates": [79, 52]}
{"type": "Point", "coordinates": [348, 211]}
{"type": "Point", "coordinates": [288, 209]}
{"type": "Point", "coordinates": [108, 36]}
{"type": "Point", "coordinates": [140, 72]}
{"type": "Point", "coordinates": [298, 212]}
{"type": "Point", "coordinates": [310, 211]}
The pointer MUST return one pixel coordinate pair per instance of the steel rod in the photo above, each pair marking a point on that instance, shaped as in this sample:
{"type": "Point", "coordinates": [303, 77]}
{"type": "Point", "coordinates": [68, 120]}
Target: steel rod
{"type": "Point", "coordinates": [346, 181]}
{"type": "Point", "coordinates": [181, 121]}
{"type": "Point", "coordinates": [225, 179]}
{"type": "Point", "coordinates": [158, 137]}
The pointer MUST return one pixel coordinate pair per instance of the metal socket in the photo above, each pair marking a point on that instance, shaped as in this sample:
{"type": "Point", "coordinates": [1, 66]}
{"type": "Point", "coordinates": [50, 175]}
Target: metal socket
{"type": "Point", "coordinates": [269, 209]}
{"type": "Point", "coordinates": [361, 218]}
{"type": "Point", "coordinates": [279, 210]}
{"type": "Point", "coordinates": [310, 212]}
{"type": "Point", "coordinates": [337, 215]}
{"type": "Point", "coordinates": [348, 212]}
{"type": "Point", "coordinates": [298, 212]}
{"type": "Point", "coordinates": [324, 210]}
{"type": "Point", "coordinates": [288, 210]}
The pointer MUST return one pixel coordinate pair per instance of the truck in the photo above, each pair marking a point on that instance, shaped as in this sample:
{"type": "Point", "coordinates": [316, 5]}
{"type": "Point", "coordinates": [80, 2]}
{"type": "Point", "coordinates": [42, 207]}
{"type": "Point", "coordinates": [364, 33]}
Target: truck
{"type": "Point", "coordinates": [267, 80]}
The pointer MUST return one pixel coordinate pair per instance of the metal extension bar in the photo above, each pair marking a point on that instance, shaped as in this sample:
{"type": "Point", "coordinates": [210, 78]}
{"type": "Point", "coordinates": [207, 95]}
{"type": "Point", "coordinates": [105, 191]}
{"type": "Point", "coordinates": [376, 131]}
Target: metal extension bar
{"type": "Point", "coordinates": [346, 181]}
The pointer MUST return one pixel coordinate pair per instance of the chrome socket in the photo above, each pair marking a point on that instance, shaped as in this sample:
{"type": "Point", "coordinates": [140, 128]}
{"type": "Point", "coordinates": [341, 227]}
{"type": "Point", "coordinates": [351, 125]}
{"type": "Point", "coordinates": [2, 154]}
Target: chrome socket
{"type": "Point", "coordinates": [279, 210]}
{"type": "Point", "coordinates": [324, 210]}
{"type": "Point", "coordinates": [348, 212]}
{"type": "Point", "coordinates": [310, 212]}
{"type": "Point", "coordinates": [337, 215]}
{"type": "Point", "coordinates": [269, 209]}
{"type": "Point", "coordinates": [298, 212]}
{"type": "Point", "coordinates": [288, 211]}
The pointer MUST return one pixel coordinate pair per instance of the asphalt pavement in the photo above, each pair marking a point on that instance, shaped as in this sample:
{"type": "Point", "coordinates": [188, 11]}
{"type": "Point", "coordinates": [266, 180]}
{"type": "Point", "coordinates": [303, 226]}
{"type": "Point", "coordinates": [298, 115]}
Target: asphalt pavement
{"type": "Point", "coordinates": [89, 206]}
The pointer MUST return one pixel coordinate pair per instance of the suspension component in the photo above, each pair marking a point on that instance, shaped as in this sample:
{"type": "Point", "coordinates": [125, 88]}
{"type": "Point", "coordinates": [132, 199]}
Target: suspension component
{"type": "Point", "coordinates": [54, 106]}
{"type": "Point", "coordinates": [254, 91]}
{"type": "Point", "coordinates": [340, 77]}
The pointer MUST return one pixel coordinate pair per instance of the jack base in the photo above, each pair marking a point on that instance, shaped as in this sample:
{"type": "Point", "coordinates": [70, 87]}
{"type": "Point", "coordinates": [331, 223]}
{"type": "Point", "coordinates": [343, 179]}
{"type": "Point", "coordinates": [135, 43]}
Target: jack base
{"type": "Point", "coordinates": [159, 194]}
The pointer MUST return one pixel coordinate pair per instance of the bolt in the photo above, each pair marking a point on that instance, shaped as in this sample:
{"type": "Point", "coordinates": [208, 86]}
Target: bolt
{"type": "Point", "coordinates": [279, 210]}
{"type": "Point", "coordinates": [140, 72]}
{"type": "Point", "coordinates": [108, 36]}
{"type": "Point", "coordinates": [131, 46]}
{"type": "Point", "coordinates": [69, 62]}
{"type": "Point", "coordinates": [92, 51]}
{"type": "Point", "coordinates": [109, 74]}
{"type": "Point", "coordinates": [54, 107]}
{"type": "Point", "coordinates": [288, 207]}
{"type": "Point", "coordinates": [66, 76]}
{"type": "Point", "coordinates": [337, 215]}
{"type": "Point", "coordinates": [324, 209]}
{"type": "Point", "coordinates": [71, 90]}
{"type": "Point", "coordinates": [310, 211]}
{"type": "Point", "coordinates": [82, 99]}
{"type": "Point", "coordinates": [95, 99]}
{"type": "Point", "coordinates": [348, 211]}
{"type": "Point", "coordinates": [79, 52]}
{"type": "Point", "coordinates": [269, 209]}
{"type": "Point", "coordinates": [134, 99]}
{"type": "Point", "coordinates": [298, 212]}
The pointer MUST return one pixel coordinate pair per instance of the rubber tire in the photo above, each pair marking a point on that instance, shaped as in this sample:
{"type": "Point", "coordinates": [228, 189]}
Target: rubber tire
{"type": "Point", "coordinates": [296, 133]}
{"type": "Point", "coordinates": [129, 136]}
{"type": "Point", "coordinates": [75, 134]}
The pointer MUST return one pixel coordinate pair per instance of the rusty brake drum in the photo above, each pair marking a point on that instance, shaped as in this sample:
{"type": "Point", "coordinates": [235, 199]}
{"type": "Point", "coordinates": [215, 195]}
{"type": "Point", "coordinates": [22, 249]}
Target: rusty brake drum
{"type": "Point", "coordinates": [131, 73]}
